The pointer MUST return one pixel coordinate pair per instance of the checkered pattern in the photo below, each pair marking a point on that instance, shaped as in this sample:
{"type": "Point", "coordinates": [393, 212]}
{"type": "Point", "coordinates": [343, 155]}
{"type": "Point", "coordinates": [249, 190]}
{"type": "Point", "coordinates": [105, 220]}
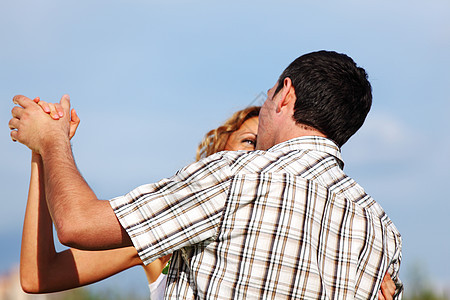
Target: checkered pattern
{"type": "Point", "coordinates": [278, 224]}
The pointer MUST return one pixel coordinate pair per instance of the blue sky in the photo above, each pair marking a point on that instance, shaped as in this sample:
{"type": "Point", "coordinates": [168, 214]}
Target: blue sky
{"type": "Point", "coordinates": [149, 78]}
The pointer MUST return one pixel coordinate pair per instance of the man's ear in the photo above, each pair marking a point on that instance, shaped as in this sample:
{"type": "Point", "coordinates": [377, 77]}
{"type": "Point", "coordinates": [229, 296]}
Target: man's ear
{"type": "Point", "coordinates": [287, 95]}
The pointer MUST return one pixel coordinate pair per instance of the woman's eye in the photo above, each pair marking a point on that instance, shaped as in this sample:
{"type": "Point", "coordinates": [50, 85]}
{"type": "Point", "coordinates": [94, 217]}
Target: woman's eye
{"type": "Point", "coordinates": [250, 142]}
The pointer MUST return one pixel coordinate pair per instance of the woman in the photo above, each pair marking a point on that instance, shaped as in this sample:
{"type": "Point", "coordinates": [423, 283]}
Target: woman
{"type": "Point", "coordinates": [44, 270]}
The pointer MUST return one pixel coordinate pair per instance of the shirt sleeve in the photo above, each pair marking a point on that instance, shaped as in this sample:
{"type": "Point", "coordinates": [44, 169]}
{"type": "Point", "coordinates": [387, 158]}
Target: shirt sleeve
{"type": "Point", "coordinates": [175, 212]}
{"type": "Point", "coordinates": [381, 253]}
{"type": "Point", "coordinates": [394, 268]}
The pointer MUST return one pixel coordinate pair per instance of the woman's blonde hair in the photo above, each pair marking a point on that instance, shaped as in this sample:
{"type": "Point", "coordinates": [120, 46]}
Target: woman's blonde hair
{"type": "Point", "coordinates": [216, 139]}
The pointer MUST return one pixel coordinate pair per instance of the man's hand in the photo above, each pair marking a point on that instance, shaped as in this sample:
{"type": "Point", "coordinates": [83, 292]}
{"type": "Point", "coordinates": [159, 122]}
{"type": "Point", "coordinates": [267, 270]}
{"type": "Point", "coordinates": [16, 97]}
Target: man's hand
{"type": "Point", "coordinates": [34, 128]}
{"type": "Point", "coordinates": [56, 111]}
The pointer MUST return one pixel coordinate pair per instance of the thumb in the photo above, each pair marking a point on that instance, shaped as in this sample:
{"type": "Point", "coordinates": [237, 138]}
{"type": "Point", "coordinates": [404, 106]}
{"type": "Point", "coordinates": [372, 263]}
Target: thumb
{"type": "Point", "coordinates": [65, 103]}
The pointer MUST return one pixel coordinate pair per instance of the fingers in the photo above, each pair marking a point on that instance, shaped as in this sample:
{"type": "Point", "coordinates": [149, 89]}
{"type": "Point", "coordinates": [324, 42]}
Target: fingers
{"type": "Point", "coordinates": [14, 135]}
{"type": "Point", "coordinates": [387, 288]}
{"type": "Point", "coordinates": [74, 117]}
{"type": "Point", "coordinates": [23, 101]}
{"type": "Point", "coordinates": [55, 110]}
{"type": "Point", "coordinates": [65, 103]}
{"type": "Point", "coordinates": [59, 110]}
{"type": "Point", "coordinates": [14, 124]}
{"type": "Point", "coordinates": [45, 106]}
{"type": "Point", "coordinates": [74, 122]}
{"type": "Point", "coordinates": [380, 296]}
{"type": "Point", "coordinates": [17, 112]}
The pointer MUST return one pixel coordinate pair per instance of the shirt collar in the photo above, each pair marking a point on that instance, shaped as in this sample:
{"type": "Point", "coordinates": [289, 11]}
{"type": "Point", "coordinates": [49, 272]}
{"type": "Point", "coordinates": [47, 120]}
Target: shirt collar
{"type": "Point", "coordinates": [315, 143]}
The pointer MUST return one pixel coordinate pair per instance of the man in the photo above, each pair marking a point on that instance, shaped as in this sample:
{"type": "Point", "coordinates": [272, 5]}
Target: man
{"type": "Point", "coordinates": [281, 222]}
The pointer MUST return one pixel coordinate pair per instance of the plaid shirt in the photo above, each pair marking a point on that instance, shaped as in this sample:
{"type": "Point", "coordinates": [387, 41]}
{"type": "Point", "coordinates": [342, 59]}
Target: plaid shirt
{"type": "Point", "coordinates": [283, 223]}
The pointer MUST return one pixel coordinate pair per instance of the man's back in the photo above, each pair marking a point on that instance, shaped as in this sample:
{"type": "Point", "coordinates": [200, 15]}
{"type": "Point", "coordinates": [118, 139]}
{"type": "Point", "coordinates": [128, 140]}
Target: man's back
{"type": "Point", "coordinates": [293, 226]}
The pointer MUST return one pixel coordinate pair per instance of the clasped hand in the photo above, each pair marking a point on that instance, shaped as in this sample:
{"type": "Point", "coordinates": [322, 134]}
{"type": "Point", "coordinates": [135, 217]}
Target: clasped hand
{"type": "Point", "coordinates": [37, 124]}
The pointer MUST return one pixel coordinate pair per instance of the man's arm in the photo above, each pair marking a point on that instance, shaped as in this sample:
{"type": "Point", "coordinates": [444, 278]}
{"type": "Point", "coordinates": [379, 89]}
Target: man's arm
{"type": "Point", "coordinates": [81, 220]}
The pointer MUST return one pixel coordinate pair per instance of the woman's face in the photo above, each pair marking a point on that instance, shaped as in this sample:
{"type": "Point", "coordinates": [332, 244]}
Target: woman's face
{"type": "Point", "coordinates": [245, 137]}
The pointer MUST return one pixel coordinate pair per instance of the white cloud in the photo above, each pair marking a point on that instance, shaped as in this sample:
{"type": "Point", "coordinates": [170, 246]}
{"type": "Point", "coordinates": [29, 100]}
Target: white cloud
{"type": "Point", "coordinates": [383, 138]}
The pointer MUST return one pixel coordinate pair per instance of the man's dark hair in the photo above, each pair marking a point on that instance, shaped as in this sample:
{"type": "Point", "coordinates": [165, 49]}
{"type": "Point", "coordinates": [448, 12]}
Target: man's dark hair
{"type": "Point", "coordinates": [333, 93]}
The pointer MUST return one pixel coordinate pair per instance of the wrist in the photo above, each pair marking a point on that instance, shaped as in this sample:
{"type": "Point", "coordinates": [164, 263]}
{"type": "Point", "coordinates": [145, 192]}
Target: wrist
{"type": "Point", "coordinates": [36, 157]}
{"type": "Point", "coordinates": [57, 144]}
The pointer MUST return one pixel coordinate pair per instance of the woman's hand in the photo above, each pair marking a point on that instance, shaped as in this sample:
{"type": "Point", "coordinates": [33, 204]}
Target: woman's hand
{"type": "Point", "coordinates": [387, 290]}
{"type": "Point", "coordinates": [56, 111]}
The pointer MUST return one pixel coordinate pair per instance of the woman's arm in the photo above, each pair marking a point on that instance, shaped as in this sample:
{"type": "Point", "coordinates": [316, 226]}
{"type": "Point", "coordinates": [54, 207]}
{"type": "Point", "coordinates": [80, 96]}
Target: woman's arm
{"type": "Point", "coordinates": [44, 270]}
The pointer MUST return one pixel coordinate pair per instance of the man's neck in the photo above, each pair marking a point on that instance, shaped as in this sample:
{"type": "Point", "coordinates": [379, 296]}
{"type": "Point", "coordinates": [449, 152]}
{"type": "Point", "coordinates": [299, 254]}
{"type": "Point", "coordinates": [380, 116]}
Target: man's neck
{"type": "Point", "coordinates": [298, 130]}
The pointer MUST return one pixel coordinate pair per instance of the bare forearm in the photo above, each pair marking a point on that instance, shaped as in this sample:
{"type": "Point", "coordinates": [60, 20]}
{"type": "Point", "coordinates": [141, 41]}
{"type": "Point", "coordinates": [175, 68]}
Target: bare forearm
{"type": "Point", "coordinates": [37, 237]}
{"type": "Point", "coordinates": [74, 268]}
{"type": "Point", "coordinates": [65, 188]}
{"type": "Point", "coordinates": [81, 220]}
